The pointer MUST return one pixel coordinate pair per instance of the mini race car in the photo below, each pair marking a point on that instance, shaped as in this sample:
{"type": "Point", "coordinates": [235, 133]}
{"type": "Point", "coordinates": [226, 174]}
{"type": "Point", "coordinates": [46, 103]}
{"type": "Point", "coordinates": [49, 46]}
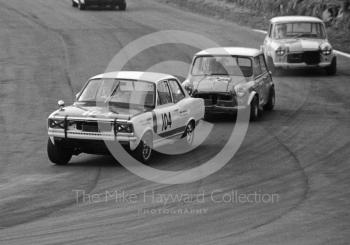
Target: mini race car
{"type": "Point", "coordinates": [298, 42]}
{"type": "Point", "coordinates": [140, 110]}
{"type": "Point", "coordinates": [83, 4]}
{"type": "Point", "coordinates": [232, 78]}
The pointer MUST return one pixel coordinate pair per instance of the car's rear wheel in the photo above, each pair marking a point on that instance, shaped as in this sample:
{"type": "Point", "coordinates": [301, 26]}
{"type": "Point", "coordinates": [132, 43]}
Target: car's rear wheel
{"type": "Point", "coordinates": [144, 151]}
{"type": "Point", "coordinates": [122, 6]}
{"type": "Point", "coordinates": [189, 133]}
{"type": "Point", "coordinates": [57, 154]}
{"type": "Point", "coordinates": [332, 69]}
{"type": "Point", "coordinates": [74, 4]}
{"type": "Point", "coordinates": [271, 101]}
{"type": "Point", "coordinates": [254, 109]}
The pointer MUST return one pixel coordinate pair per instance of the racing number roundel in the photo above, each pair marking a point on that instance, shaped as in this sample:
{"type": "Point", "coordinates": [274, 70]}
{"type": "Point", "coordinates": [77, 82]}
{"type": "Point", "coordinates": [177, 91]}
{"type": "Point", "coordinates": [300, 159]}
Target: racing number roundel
{"type": "Point", "coordinates": [166, 118]}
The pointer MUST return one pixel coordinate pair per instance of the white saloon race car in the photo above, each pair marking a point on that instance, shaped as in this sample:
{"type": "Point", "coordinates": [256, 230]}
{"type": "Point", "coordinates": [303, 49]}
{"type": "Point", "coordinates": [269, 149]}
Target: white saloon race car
{"type": "Point", "coordinates": [140, 110]}
{"type": "Point", "coordinates": [298, 42]}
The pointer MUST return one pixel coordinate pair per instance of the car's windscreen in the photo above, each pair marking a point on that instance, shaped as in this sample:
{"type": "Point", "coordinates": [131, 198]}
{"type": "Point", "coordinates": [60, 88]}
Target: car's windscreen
{"type": "Point", "coordinates": [225, 65]}
{"type": "Point", "coordinates": [119, 92]}
{"type": "Point", "coordinates": [299, 30]}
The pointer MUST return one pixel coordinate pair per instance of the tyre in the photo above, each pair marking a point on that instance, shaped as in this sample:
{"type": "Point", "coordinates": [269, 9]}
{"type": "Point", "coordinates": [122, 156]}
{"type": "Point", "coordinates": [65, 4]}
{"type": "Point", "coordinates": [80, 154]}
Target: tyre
{"type": "Point", "coordinates": [189, 133]}
{"type": "Point", "coordinates": [81, 6]}
{"type": "Point", "coordinates": [122, 6]}
{"type": "Point", "coordinates": [254, 109]}
{"type": "Point", "coordinates": [57, 154]}
{"type": "Point", "coordinates": [74, 4]}
{"type": "Point", "coordinates": [143, 151]}
{"type": "Point", "coordinates": [271, 101]}
{"type": "Point", "coordinates": [207, 116]}
{"type": "Point", "coordinates": [332, 69]}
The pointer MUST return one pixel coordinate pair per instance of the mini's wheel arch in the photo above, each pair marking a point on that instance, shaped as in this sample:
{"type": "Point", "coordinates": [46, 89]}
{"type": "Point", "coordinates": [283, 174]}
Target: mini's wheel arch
{"type": "Point", "coordinates": [251, 97]}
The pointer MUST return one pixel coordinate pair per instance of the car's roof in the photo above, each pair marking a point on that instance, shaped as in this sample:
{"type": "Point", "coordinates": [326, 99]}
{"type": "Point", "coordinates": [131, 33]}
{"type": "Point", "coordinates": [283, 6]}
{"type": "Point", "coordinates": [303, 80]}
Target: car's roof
{"type": "Point", "coordinates": [135, 75]}
{"type": "Point", "coordinates": [295, 18]}
{"type": "Point", "coordinates": [239, 51]}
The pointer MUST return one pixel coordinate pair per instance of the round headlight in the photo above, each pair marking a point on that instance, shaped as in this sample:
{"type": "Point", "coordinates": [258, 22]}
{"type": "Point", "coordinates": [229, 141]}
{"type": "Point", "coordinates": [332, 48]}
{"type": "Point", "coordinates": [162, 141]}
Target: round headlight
{"type": "Point", "coordinates": [241, 90]}
{"type": "Point", "coordinates": [326, 49]}
{"type": "Point", "coordinates": [281, 51]}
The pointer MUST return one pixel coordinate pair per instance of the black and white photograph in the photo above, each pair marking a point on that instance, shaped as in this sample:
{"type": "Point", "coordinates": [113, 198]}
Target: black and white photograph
{"type": "Point", "coordinates": [175, 122]}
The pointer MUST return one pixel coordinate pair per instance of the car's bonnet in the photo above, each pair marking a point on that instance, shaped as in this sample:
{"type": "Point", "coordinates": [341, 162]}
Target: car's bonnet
{"type": "Point", "coordinates": [220, 84]}
{"type": "Point", "coordinates": [81, 111]}
{"type": "Point", "coordinates": [297, 44]}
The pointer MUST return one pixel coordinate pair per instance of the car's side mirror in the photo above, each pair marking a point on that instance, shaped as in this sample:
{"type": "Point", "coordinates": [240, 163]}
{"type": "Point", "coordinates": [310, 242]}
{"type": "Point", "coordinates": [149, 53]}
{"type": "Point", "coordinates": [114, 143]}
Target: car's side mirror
{"type": "Point", "coordinates": [77, 95]}
{"type": "Point", "coordinates": [60, 104]}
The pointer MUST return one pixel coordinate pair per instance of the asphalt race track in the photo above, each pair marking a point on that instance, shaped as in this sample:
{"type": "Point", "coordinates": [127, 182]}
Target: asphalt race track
{"type": "Point", "coordinates": [300, 151]}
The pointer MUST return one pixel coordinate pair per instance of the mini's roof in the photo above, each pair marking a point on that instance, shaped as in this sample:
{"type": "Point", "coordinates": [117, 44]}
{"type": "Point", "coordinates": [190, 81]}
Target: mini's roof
{"type": "Point", "coordinates": [135, 75]}
{"type": "Point", "coordinates": [239, 51]}
{"type": "Point", "coordinates": [282, 19]}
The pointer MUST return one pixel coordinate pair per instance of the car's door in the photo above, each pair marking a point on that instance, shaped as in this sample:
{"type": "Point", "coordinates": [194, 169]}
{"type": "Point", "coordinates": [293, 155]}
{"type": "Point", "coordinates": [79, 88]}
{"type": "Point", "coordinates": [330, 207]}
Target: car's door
{"type": "Point", "coordinates": [258, 79]}
{"type": "Point", "coordinates": [266, 77]}
{"type": "Point", "coordinates": [165, 113]}
{"type": "Point", "coordinates": [181, 104]}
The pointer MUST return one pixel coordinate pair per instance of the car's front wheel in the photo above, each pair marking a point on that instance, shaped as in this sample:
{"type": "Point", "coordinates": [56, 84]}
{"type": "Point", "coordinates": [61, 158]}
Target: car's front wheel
{"type": "Point", "coordinates": [81, 6]}
{"type": "Point", "coordinates": [57, 154]}
{"type": "Point", "coordinates": [144, 151]}
{"type": "Point", "coordinates": [332, 69]}
{"type": "Point", "coordinates": [254, 109]}
{"type": "Point", "coordinates": [74, 4]}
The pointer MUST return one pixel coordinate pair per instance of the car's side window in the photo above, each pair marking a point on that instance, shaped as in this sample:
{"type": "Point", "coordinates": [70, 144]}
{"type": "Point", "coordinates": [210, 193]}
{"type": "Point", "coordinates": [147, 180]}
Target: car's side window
{"type": "Point", "coordinates": [262, 63]}
{"type": "Point", "coordinates": [176, 91]}
{"type": "Point", "coordinates": [257, 67]}
{"type": "Point", "coordinates": [164, 96]}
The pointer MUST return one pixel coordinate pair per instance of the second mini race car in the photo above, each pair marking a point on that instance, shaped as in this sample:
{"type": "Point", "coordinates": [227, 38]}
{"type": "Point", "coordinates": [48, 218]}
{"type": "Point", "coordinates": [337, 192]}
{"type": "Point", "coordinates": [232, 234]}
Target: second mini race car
{"type": "Point", "coordinates": [83, 4]}
{"type": "Point", "coordinates": [140, 110]}
{"type": "Point", "coordinates": [298, 42]}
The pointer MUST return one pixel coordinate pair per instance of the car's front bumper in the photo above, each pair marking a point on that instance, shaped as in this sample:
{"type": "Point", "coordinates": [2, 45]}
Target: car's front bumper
{"type": "Point", "coordinates": [302, 60]}
{"type": "Point", "coordinates": [103, 2]}
{"type": "Point", "coordinates": [93, 143]}
{"type": "Point", "coordinates": [105, 136]}
{"type": "Point", "coordinates": [94, 129]}
{"type": "Point", "coordinates": [302, 65]}
{"type": "Point", "coordinates": [223, 109]}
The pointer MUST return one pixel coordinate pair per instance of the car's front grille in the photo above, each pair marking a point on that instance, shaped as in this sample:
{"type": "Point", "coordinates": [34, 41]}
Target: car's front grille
{"type": "Point", "coordinates": [216, 98]}
{"type": "Point", "coordinates": [309, 57]}
{"type": "Point", "coordinates": [94, 126]}
{"type": "Point", "coordinates": [312, 57]}
{"type": "Point", "coordinates": [295, 58]}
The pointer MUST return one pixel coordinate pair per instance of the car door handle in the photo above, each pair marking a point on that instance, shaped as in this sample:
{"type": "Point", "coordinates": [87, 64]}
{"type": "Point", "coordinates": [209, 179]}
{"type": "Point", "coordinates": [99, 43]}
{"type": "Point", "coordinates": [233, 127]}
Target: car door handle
{"type": "Point", "coordinates": [176, 110]}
